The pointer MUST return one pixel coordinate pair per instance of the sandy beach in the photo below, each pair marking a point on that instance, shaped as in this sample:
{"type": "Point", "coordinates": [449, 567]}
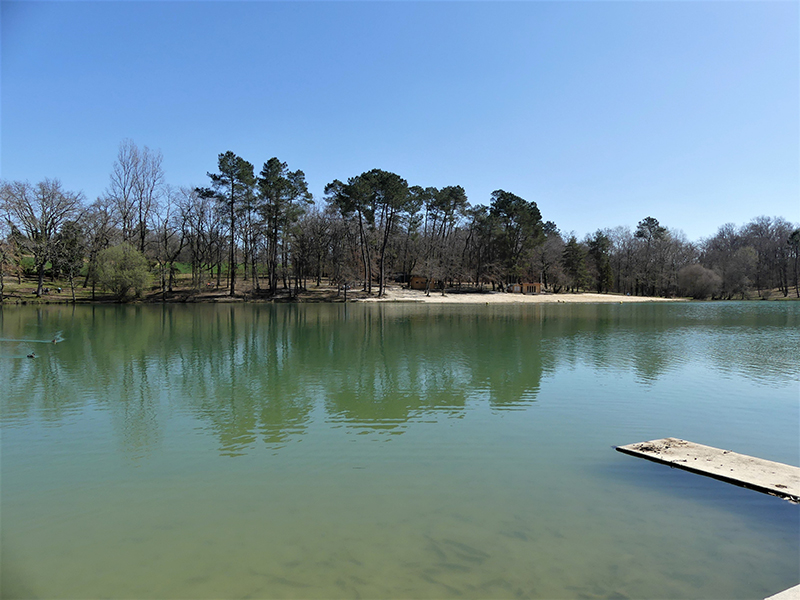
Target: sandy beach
{"type": "Point", "coordinates": [398, 294]}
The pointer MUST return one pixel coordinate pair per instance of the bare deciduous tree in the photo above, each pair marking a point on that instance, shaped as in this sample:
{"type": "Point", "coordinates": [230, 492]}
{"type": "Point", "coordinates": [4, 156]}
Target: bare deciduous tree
{"type": "Point", "coordinates": [39, 212]}
{"type": "Point", "coordinates": [7, 258]}
{"type": "Point", "coordinates": [98, 226]}
{"type": "Point", "coordinates": [169, 236]}
{"type": "Point", "coordinates": [137, 184]}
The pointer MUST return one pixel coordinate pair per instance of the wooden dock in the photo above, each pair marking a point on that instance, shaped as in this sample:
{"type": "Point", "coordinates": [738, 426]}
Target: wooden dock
{"type": "Point", "coordinates": [758, 474]}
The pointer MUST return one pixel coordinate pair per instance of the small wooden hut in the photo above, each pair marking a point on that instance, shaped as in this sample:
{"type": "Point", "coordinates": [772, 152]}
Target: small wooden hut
{"type": "Point", "coordinates": [525, 288]}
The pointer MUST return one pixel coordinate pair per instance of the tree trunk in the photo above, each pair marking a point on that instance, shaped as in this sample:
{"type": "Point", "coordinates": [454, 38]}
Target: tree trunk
{"type": "Point", "coordinates": [796, 278]}
{"type": "Point", "coordinates": [232, 271]}
{"type": "Point", "coordinates": [232, 254]}
{"type": "Point", "coordinates": [41, 280]}
{"type": "Point", "coordinates": [365, 256]}
{"type": "Point", "coordinates": [386, 233]}
{"type": "Point", "coordinates": [273, 256]}
{"type": "Point", "coordinates": [219, 265]}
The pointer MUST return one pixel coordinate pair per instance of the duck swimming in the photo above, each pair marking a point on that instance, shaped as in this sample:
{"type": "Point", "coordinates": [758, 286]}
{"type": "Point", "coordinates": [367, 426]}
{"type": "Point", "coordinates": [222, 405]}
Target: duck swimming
{"type": "Point", "coordinates": [32, 355]}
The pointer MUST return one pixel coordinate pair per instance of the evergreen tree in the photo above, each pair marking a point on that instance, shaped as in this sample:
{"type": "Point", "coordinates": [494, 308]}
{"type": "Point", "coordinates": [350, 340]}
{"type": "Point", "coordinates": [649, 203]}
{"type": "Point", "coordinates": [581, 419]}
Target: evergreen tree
{"type": "Point", "coordinates": [282, 197]}
{"type": "Point", "coordinates": [599, 247]}
{"type": "Point", "coordinates": [231, 188]}
{"type": "Point", "coordinates": [574, 259]}
{"type": "Point", "coordinates": [69, 252]}
{"type": "Point", "coordinates": [518, 226]}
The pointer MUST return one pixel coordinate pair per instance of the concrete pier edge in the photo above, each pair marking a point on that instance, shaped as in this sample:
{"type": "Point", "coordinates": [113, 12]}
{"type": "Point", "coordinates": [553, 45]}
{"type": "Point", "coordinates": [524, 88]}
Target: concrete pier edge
{"type": "Point", "coordinates": [769, 477]}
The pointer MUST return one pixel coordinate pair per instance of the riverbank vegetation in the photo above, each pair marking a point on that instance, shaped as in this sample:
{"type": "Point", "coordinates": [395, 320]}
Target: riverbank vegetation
{"type": "Point", "coordinates": [264, 236]}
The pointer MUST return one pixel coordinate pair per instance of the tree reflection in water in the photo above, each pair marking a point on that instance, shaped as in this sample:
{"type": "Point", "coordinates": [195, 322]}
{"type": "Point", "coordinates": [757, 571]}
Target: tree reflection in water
{"type": "Point", "coordinates": [259, 373]}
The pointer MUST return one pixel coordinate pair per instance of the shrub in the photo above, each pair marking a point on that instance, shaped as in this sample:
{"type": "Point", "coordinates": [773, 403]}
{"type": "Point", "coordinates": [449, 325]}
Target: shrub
{"type": "Point", "coordinates": [123, 271]}
{"type": "Point", "coordinates": [698, 282]}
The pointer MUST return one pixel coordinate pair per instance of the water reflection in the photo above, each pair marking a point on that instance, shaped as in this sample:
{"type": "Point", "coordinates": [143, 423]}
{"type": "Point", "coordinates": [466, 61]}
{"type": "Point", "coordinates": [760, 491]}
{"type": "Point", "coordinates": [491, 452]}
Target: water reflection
{"type": "Point", "coordinates": [257, 373]}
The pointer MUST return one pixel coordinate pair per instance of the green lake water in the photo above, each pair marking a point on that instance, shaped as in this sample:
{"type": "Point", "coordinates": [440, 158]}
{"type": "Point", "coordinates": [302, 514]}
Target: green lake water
{"type": "Point", "coordinates": [392, 451]}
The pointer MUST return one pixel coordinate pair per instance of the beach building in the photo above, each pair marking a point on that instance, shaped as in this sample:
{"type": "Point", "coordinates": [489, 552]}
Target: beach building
{"type": "Point", "coordinates": [524, 288]}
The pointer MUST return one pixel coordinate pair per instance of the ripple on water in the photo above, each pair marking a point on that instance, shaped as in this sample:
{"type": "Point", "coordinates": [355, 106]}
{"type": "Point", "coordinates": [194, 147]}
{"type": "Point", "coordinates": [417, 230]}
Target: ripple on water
{"type": "Point", "coordinates": [395, 453]}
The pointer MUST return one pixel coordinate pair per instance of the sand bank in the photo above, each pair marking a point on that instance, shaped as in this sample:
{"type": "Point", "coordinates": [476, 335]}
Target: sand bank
{"type": "Point", "coordinates": [397, 294]}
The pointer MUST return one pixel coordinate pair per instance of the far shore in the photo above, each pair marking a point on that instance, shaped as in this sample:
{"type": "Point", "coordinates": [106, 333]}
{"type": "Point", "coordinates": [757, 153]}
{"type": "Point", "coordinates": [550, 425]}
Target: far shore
{"type": "Point", "coordinates": [330, 294]}
{"type": "Point", "coordinates": [397, 294]}
{"type": "Point", "coordinates": [20, 294]}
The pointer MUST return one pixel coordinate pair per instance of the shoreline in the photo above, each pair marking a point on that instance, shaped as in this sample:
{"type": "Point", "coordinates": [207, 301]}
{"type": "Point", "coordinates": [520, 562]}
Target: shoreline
{"type": "Point", "coordinates": [328, 295]}
{"type": "Point", "coordinates": [490, 297]}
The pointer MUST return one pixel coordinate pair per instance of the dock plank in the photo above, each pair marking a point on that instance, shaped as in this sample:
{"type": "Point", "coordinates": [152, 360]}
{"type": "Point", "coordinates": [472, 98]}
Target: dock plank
{"type": "Point", "coordinates": [754, 473]}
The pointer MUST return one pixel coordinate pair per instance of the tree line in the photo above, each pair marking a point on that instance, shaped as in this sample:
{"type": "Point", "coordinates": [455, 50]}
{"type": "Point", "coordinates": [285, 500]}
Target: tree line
{"type": "Point", "coordinates": [266, 228]}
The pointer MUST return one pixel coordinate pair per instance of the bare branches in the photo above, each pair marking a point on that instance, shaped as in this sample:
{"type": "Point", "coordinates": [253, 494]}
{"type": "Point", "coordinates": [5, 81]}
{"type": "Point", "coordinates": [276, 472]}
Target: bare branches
{"type": "Point", "coordinates": [38, 212]}
{"type": "Point", "coordinates": [136, 185]}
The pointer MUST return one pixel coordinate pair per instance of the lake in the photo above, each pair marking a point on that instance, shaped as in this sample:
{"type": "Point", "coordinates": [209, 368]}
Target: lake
{"type": "Point", "coordinates": [392, 451]}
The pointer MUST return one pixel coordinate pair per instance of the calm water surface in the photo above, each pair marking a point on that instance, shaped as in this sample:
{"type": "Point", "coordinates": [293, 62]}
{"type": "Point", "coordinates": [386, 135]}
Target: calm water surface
{"type": "Point", "coordinates": [394, 451]}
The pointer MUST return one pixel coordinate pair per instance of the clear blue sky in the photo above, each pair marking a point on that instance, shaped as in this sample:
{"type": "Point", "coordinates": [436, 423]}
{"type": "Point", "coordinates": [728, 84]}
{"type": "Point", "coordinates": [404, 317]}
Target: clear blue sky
{"type": "Point", "coordinates": [602, 113]}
